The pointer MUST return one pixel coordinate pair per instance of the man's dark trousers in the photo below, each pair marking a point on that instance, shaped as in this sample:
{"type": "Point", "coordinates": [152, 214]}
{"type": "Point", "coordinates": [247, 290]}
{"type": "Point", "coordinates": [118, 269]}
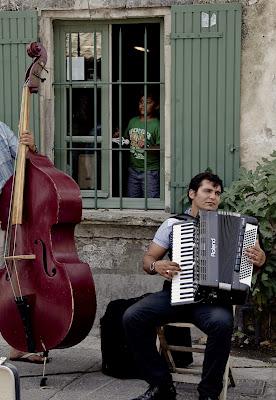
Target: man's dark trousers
{"type": "Point", "coordinates": [140, 322]}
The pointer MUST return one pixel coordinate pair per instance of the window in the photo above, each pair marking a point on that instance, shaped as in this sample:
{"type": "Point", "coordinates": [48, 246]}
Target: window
{"type": "Point", "coordinates": [105, 75]}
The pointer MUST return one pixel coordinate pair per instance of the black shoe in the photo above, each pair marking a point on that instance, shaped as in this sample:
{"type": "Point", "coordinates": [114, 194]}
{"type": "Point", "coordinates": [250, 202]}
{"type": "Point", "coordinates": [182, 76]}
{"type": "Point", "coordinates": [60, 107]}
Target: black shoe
{"type": "Point", "coordinates": [162, 392]}
{"type": "Point", "coordinates": [202, 397]}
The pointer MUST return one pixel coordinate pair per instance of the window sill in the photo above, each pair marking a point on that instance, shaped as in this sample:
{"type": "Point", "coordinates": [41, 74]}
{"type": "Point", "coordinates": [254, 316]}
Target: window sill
{"type": "Point", "coordinates": [124, 217]}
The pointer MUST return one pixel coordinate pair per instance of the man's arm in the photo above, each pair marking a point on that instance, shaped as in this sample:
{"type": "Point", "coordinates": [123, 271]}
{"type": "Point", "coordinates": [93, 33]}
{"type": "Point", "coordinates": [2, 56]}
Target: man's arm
{"type": "Point", "coordinates": [26, 138]}
{"type": "Point", "coordinates": [10, 137]}
{"type": "Point", "coordinates": [153, 263]}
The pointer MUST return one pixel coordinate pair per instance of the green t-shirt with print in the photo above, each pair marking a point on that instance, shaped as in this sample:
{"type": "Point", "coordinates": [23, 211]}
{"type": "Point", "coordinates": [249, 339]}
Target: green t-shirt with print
{"type": "Point", "coordinates": [135, 132]}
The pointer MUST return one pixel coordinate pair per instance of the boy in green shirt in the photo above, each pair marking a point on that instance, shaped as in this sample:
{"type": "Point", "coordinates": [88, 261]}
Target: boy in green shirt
{"type": "Point", "coordinates": [139, 150]}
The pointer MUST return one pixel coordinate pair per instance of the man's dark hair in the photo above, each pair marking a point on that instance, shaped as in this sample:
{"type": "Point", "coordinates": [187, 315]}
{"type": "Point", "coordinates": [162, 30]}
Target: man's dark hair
{"type": "Point", "coordinates": [196, 182]}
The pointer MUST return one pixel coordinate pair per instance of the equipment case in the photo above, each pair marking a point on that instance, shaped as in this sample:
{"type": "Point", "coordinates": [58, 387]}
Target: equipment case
{"type": "Point", "coordinates": [9, 381]}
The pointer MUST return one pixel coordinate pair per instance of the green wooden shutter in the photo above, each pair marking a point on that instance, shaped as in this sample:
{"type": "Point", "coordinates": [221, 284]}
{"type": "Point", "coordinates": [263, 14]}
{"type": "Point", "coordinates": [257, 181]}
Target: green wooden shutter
{"type": "Point", "coordinates": [18, 28]}
{"type": "Point", "coordinates": [206, 41]}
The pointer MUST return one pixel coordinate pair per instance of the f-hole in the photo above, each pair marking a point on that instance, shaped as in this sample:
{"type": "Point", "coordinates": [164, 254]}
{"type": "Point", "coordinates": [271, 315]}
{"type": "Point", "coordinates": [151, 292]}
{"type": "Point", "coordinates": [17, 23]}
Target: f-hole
{"type": "Point", "coordinates": [44, 259]}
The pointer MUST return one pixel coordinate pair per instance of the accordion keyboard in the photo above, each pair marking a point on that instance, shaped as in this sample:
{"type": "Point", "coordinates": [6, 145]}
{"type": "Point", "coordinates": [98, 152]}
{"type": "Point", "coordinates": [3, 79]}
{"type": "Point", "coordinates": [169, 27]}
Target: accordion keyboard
{"type": "Point", "coordinates": [182, 291]}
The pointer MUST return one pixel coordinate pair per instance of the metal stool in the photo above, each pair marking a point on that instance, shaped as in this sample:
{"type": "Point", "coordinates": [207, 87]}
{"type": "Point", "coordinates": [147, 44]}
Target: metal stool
{"type": "Point", "coordinates": [178, 373]}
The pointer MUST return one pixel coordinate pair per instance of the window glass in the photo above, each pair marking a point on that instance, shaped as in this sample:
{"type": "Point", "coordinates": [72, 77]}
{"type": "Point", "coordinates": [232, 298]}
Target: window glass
{"type": "Point", "coordinates": [83, 56]}
{"type": "Point", "coordinates": [84, 136]}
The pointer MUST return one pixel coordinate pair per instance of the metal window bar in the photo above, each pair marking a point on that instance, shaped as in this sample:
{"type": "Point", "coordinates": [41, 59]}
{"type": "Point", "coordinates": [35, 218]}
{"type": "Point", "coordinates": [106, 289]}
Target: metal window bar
{"type": "Point", "coordinates": [120, 123]}
{"type": "Point", "coordinates": [118, 82]}
{"type": "Point", "coordinates": [145, 118]}
{"type": "Point", "coordinates": [70, 107]}
{"type": "Point", "coordinates": [95, 121]}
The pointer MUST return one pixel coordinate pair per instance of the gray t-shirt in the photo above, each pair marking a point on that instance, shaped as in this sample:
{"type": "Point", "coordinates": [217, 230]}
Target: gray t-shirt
{"type": "Point", "coordinates": [163, 233]}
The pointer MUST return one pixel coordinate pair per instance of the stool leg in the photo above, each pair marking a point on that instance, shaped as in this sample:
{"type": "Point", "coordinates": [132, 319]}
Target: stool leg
{"type": "Point", "coordinates": [223, 393]}
{"type": "Point", "coordinates": [163, 347]}
{"type": "Point", "coordinates": [231, 378]}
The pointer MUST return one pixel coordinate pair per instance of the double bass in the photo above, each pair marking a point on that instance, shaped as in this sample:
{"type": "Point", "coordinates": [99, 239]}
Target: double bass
{"type": "Point", "coordinates": [47, 295]}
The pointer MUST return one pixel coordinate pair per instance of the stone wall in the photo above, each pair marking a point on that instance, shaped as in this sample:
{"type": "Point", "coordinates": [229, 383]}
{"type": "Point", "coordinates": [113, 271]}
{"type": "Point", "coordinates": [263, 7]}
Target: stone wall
{"type": "Point", "coordinates": [113, 243]}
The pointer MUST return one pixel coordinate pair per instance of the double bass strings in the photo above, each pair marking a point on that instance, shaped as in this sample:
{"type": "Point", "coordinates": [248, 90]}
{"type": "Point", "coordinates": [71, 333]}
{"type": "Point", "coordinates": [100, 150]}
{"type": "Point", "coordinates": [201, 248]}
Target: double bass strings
{"type": "Point", "coordinates": [7, 245]}
{"type": "Point", "coordinates": [24, 116]}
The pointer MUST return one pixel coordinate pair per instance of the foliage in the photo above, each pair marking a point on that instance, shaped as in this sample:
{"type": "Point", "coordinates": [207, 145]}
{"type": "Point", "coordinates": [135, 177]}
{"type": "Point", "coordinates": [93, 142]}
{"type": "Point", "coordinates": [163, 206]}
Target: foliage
{"type": "Point", "coordinates": [254, 193]}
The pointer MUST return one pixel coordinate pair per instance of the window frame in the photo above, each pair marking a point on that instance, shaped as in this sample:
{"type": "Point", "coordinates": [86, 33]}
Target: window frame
{"type": "Point", "coordinates": [96, 198]}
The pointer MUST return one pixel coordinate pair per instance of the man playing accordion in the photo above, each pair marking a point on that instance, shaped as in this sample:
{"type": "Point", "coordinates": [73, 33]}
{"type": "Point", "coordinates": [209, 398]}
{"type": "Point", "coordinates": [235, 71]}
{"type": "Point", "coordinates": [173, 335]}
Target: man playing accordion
{"type": "Point", "coordinates": [216, 320]}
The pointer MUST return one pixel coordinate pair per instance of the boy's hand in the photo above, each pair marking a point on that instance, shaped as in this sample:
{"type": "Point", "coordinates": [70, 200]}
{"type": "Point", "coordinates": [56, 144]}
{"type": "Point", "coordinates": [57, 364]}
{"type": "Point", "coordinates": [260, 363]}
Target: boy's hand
{"type": "Point", "coordinates": [141, 143]}
{"type": "Point", "coordinates": [116, 133]}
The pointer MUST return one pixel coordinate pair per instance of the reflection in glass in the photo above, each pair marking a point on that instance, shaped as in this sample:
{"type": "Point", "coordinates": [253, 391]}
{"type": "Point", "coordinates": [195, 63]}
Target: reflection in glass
{"type": "Point", "coordinates": [84, 136]}
{"type": "Point", "coordinates": [128, 41]}
{"type": "Point", "coordinates": [83, 56]}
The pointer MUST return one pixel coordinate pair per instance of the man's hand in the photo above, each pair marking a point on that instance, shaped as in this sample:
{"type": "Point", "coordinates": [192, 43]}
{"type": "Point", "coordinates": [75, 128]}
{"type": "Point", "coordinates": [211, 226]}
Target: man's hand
{"type": "Point", "coordinates": [256, 255]}
{"type": "Point", "coordinates": [27, 138]}
{"type": "Point", "coordinates": [162, 267]}
{"type": "Point", "coordinates": [167, 268]}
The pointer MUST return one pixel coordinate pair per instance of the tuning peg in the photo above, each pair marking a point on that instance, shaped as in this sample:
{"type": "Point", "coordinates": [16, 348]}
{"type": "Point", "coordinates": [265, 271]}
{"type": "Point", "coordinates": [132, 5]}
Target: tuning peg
{"type": "Point", "coordinates": [42, 66]}
{"type": "Point", "coordinates": [39, 77]}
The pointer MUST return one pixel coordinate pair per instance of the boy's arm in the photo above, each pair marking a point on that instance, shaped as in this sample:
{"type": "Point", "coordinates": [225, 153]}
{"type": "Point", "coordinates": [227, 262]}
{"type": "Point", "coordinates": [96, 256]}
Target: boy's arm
{"type": "Point", "coordinates": [126, 132]}
{"type": "Point", "coordinates": [156, 138]}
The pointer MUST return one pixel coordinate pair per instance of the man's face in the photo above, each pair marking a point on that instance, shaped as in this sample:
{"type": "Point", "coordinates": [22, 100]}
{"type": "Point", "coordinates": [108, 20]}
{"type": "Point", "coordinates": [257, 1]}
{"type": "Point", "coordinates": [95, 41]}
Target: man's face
{"type": "Point", "coordinates": [207, 197]}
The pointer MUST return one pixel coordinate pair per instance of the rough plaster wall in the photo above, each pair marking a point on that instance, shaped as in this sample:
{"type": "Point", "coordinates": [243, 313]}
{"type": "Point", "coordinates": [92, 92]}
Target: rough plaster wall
{"type": "Point", "coordinates": [90, 4]}
{"type": "Point", "coordinates": [33, 4]}
{"type": "Point", "coordinates": [258, 83]}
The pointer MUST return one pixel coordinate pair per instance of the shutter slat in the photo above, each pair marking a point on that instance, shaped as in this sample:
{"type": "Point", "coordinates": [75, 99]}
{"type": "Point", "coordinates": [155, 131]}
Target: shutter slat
{"type": "Point", "coordinates": [19, 28]}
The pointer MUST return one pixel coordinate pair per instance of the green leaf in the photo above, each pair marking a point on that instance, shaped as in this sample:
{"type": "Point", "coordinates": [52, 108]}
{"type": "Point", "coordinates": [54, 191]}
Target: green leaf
{"type": "Point", "coordinates": [254, 193]}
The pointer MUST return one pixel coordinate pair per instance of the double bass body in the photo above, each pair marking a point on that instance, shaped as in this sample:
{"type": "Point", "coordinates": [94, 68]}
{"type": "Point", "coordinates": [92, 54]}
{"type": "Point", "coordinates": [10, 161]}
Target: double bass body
{"type": "Point", "coordinates": [47, 296]}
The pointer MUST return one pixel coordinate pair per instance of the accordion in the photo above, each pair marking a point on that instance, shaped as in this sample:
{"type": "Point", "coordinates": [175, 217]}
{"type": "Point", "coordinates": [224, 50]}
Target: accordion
{"type": "Point", "coordinates": [210, 251]}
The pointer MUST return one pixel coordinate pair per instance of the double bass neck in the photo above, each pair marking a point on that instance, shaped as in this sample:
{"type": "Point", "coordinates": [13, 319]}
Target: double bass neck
{"type": "Point", "coordinates": [18, 189]}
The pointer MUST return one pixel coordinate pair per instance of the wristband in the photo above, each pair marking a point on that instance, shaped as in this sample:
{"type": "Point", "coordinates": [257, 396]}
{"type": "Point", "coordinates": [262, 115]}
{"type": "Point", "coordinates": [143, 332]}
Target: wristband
{"type": "Point", "coordinates": [152, 268]}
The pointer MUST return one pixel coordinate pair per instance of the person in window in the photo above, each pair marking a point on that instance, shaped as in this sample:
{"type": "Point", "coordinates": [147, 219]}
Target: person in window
{"type": "Point", "coordinates": [8, 149]}
{"type": "Point", "coordinates": [141, 148]}
{"type": "Point", "coordinates": [216, 320]}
